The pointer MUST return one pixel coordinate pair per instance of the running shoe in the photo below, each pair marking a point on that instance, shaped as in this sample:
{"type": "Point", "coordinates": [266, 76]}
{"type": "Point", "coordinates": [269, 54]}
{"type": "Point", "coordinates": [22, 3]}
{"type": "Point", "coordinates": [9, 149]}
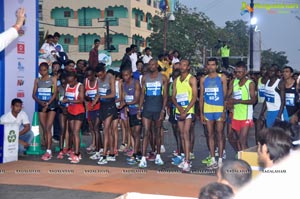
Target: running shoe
{"type": "Point", "coordinates": [96, 156]}
{"type": "Point", "coordinates": [159, 161]}
{"type": "Point", "coordinates": [143, 164]}
{"type": "Point", "coordinates": [186, 167]}
{"type": "Point", "coordinates": [69, 152]}
{"type": "Point", "coordinates": [75, 159]}
{"type": "Point", "coordinates": [102, 161]}
{"type": "Point", "coordinates": [116, 152]}
{"type": "Point", "coordinates": [176, 153]}
{"type": "Point", "coordinates": [132, 161]}
{"type": "Point", "coordinates": [129, 152]}
{"type": "Point", "coordinates": [181, 165]}
{"type": "Point", "coordinates": [151, 156]}
{"type": "Point", "coordinates": [60, 155]}
{"type": "Point", "coordinates": [206, 160]}
{"type": "Point", "coordinates": [224, 155]}
{"type": "Point", "coordinates": [47, 156]}
{"type": "Point", "coordinates": [192, 156]}
{"type": "Point", "coordinates": [111, 158]}
{"type": "Point", "coordinates": [91, 148]}
{"type": "Point", "coordinates": [212, 165]}
{"type": "Point", "coordinates": [73, 154]}
{"type": "Point", "coordinates": [220, 164]}
{"type": "Point", "coordinates": [122, 147]}
{"type": "Point", "coordinates": [177, 160]}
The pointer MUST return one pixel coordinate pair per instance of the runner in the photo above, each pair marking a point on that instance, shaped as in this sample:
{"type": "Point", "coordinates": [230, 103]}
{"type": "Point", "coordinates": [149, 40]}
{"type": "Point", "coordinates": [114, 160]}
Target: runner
{"type": "Point", "coordinates": [184, 97]}
{"type": "Point", "coordinates": [106, 94]}
{"type": "Point", "coordinates": [291, 96]}
{"type": "Point", "coordinates": [262, 80]}
{"type": "Point", "coordinates": [274, 98]}
{"type": "Point", "coordinates": [242, 93]}
{"type": "Point", "coordinates": [44, 93]}
{"type": "Point", "coordinates": [131, 93]}
{"type": "Point", "coordinates": [74, 97]}
{"type": "Point", "coordinates": [91, 89]}
{"type": "Point", "coordinates": [153, 100]}
{"type": "Point", "coordinates": [213, 90]}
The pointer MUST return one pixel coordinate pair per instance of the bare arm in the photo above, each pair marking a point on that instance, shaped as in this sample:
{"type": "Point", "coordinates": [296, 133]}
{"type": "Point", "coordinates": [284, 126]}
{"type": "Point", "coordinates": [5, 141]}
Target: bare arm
{"type": "Point", "coordinates": [25, 129]}
{"type": "Point", "coordinates": [281, 86]}
{"type": "Point", "coordinates": [252, 99]}
{"type": "Point", "coordinates": [193, 83]}
{"type": "Point", "coordinates": [142, 97]}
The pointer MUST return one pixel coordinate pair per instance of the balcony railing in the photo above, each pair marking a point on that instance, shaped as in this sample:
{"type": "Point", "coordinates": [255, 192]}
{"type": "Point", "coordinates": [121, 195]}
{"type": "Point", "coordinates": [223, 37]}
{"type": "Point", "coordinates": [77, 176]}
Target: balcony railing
{"type": "Point", "coordinates": [85, 48]}
{"type": "Point", "coordinates": [85, 22]}
{"type": "Point", "coordinates": [62, 22]}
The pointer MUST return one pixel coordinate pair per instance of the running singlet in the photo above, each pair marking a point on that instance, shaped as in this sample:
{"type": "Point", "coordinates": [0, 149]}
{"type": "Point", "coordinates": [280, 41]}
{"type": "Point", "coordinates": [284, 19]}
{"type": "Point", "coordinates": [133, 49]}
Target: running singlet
{"type": "Point", "coordinates": [272, 96]}
{"type": "Point", "coordinates": [213, 95]}
{"type": "Point", "coordinates": [153, 94]}
{"type": "Point", "coordinates": [104, 89]}
{"type": "Point", "coordinates": [261, 91]}
{"type": "Point", "coordinates": [184, 93]}
{"type": "Point", "coordinates": [72, 93]}
{"type": "Point", "coordinates": [129, 90]}
{"type": "Point", "coordinates": [291, 99]}
{"type": "Point", "coordinates": [242, 111]}
{"type": "Point", "coordinates": [91, 92]}
{"type": "Point", "coordinates": [44, 90]}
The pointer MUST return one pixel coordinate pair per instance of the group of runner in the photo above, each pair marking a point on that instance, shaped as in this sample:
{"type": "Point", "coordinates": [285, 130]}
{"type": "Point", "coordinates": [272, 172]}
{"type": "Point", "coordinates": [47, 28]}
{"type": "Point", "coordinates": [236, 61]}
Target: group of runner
{"type": "Point", "coordinates": [140, 106]}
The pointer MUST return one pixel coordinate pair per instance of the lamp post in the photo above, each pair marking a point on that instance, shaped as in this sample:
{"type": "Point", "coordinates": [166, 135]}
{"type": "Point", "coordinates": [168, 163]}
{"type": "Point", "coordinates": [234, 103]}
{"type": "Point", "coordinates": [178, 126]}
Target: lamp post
{"type": "Point", "coordinates": [167, 18]}
{"type": "Point", "coordinates": [252, 24]}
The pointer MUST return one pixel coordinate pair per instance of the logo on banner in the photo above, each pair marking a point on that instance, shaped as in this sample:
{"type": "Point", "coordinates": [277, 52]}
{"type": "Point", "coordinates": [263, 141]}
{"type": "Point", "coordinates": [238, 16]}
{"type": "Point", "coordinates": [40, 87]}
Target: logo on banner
{"type": "Point", "coordinates": [20, 82]}
{"type": "Point", "coordinates": [21, 48]}
{"type": "Point", "coordinates": [20, 66]}
{"type": "Point", "coordinates": [20, 94]}
{"type": "Point", "coordinates": [11, 136]}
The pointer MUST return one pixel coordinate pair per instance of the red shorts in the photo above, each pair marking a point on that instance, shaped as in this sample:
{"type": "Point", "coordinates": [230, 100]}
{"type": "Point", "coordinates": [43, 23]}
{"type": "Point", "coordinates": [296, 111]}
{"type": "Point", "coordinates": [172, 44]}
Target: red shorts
{"type": "Point", "coordinates": [237, 125]}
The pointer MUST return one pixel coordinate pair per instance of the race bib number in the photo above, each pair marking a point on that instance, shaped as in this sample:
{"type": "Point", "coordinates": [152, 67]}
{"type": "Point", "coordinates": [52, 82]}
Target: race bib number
{"type": "Point", "coordinates": [91, 94]}
{"type": "Point", "coordinates": [212, 93]}
{"type": "Point", "coordinates": [44, 94]}
{"type": "Point", "coordinates": [102, 91]}
{"type": "Point", "coordinates": [153, 89]}
{"type": "Point", "coordinates": [70, 96]}
{"type": "Point", "coordinates": [261, 91]}
{"type": "Point", "coordinates": [182, 99]}
{"type": "Point", "coordinates": [129, 98]}
{"type": "Point", "coordinates": [290, 99]}
{"type": "Point", "coordinates": [269, 97]}
{"type": "Point", "coordinates": [237, 95]}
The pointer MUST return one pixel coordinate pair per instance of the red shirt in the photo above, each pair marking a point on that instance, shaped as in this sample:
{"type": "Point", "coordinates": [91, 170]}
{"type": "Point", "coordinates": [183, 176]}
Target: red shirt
{"type": "Point", "coordinates": [72, 93]}
{"type": "Point", "coordinates": [91, 92]}
{"type": "Point", "coordinates": [93, 58]}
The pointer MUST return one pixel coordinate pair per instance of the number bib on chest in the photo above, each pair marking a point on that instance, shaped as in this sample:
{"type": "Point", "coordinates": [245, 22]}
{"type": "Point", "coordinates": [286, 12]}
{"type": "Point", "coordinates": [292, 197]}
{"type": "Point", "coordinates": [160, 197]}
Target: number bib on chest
{"type": "Point", "coordinates": [290, 99]}
{"type": "Point", "coordinates": [44, 94]}
{"type": "Point", "coordinates": [153, 89]}
{"type": "Point", "coordinates": [182, 99]}
{"type": "Point", "coordinates": [91, 94]}
{"type": "Point", "coordinates": [237, 95]}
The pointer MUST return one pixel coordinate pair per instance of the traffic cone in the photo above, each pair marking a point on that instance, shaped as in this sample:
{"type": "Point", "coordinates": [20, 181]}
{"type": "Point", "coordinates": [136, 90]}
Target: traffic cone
{"type": "Point", "coordinates": [82, 145]}
{"type": "Point", "coordinates": [35, 147]}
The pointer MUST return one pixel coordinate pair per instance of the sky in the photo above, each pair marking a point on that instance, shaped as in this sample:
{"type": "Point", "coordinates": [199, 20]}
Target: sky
{"type": "Point", "coordinates": [279, 31]}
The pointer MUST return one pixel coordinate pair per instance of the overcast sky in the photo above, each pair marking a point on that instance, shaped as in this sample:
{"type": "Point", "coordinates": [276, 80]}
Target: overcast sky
{"type": "Point", "coordinates": [280, 32]}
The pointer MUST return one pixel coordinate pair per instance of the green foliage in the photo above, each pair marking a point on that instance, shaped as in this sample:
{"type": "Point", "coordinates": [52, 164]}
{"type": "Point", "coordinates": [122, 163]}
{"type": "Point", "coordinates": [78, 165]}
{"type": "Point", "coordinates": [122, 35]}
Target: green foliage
{"type": "Point", "coordinates": [274, 57]}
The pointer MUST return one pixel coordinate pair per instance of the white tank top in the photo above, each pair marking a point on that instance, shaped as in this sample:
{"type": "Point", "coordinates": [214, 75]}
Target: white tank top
{"type": "Point", "coordinates": [117, 93]}
{"type": "Point", "coordinates": [272, 97]}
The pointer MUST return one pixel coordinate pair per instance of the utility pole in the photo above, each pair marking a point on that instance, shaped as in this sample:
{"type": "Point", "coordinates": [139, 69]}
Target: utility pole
{"type": "Point", "coordinates": [107, 42]}
{"type": "Point", "coordinates": [165, 32]}
{"type": "Point", "coordinates": [251, 36]}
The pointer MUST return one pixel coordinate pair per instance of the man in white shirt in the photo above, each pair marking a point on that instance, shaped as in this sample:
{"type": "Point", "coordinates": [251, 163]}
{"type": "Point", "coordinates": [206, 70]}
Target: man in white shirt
{"type": "Point", "coordinates": [133, 57]}
{"type": "Point", "coordinates": [17, 116]}
{"type": "Point", "coordinates": [48, 50]}
{"type": "Point", "coordinates": [147, 57]}
{"type": "Point", "coordinates": [12, 33]}
{"type": "Point", "coordinates": [58, 47]}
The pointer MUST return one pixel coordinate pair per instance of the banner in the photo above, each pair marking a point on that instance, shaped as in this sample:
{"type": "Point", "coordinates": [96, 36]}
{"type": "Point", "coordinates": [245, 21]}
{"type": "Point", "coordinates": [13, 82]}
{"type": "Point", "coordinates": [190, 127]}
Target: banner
{"type": "Point", "coordinates": [21, 56]}
{"type": "Point", "coordinates": [10, 143]}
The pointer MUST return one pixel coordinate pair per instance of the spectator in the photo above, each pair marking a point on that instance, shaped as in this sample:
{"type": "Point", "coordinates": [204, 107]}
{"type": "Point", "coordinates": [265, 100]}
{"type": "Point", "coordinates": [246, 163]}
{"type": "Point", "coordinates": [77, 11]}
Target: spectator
{"type": "Point", "coordinates": [48, 51]}
{"type": "Point", "coordinates": [18, 116]}
{"type": "Point", "coordinates": [138, 72]}
{"type": "Point", "coordinates": [216, 190]}
{"type": "Point", "coordinates": [235, 173]}
{"type": "Point", "coordinates": [93, 57]}
{"type": "Point", "coordinates": [134, 57]}
{"type": "Point", "coordinates": [58, 47]}
{"type": "Point", "coordinates": [147, 57]}
{"type": "Point", "coordinates": [126, 61]}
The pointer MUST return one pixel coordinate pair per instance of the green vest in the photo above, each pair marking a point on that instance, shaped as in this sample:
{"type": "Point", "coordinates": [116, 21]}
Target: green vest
{"type": "Point", "coordinates": [242, 111]}
{"type": "Point", "coordinates": [225, 51]}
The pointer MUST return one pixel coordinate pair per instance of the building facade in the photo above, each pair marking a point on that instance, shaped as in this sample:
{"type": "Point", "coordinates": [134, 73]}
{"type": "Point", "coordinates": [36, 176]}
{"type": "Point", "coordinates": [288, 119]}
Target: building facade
{"type": "Point", "coordinates": [80, 22]}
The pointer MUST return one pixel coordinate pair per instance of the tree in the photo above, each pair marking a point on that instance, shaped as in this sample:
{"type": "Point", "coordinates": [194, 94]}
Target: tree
{"type": "Point", "coordinates": [274, 57]}
{"type": "Point", "coordinates": [189, 33]}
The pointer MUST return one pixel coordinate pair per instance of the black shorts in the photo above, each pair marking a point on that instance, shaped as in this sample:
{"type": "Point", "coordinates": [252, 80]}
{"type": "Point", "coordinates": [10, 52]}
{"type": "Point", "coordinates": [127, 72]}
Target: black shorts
{"type": "Point", "coordinates": [80, 116]}
{"type": "Point", "coordinates": [107, 110]}
{"type": "Point", "coordinates": [134, 121]}
{"type": "Point", "coordinates": [51, 107]}
{"type": "Point", "coordinates": [151, 115]}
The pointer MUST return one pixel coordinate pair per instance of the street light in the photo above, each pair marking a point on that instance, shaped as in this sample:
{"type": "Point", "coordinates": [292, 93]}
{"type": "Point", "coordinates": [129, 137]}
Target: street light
{"type": "Point", "coordinates": [252, 20]}
{"type": "Point", "coordinates": [166, 18]}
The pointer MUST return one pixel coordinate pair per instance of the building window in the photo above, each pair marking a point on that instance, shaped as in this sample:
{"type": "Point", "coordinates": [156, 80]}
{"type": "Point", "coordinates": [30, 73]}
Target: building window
{"type": "Point", "coordinates": [110, 13]}
{"type": "Point", "coordinates": [67, 14]}
{"type": "Point", "coordinates": [67, 40]}
{"type": "Point", "coordinates": [40, 12]}
{"type": "Point", "coordinates": [149, 2]}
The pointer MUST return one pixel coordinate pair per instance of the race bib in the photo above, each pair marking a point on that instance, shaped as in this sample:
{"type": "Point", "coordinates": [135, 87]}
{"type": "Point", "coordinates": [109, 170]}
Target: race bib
{"type": "Point", "coordinates": [44, 94]}
{"type": "Point", "coordinates": [182, 99]}
{"type": "Point", "coordinates": [70, 96]}
{"type": "Point", "coordinates": [153, 89]}
{"type": "Point", "coordinates": [237, 95]}
{"type": "Point", "coordinates": [91, 94]}
{"type": "Point", "coordinates": [290, 99]}
{"type": "Point", "coordinates": [261, 91]}
{"type": "Point", "coordinates": [211, 93]}
{"type": "Point", "coordinates": [129, 98]}
{"type": "Point", "coordinates": [102, 91]}
{"type": "Point", "coordinates": [269, 97]}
